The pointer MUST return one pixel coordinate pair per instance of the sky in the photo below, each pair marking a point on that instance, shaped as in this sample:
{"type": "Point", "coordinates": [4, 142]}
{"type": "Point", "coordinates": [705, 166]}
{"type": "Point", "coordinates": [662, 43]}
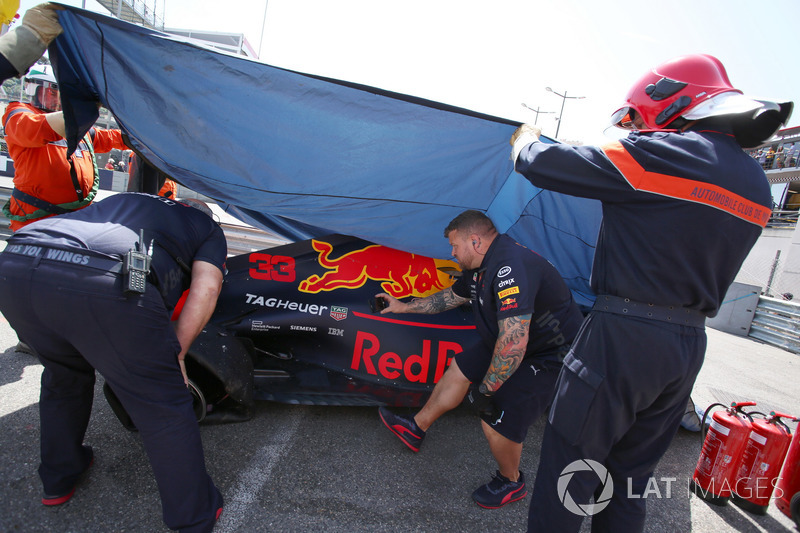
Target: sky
{"type": "Point", "coordinates": [492, 57]}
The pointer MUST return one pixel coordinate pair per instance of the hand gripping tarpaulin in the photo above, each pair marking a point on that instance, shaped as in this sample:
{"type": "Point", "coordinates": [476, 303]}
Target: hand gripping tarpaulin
{"type": "Point", "coordinates": [306, 156]}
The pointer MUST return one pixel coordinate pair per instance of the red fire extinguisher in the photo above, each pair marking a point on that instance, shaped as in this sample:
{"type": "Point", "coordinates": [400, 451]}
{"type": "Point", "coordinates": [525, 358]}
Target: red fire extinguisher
{"type": "Point", "coordinates": [715, 474]}
{"type": "Point", "coordinates": [761, 463]}
{"type": "Point", "coordinates": [787, 492]}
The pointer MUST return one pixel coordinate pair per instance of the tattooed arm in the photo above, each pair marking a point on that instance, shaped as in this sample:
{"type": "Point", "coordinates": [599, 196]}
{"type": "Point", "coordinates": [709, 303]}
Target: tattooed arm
{"type": "Point", "coordinates": [512, 340]}
{"type": "Point", "coordinates": [435, 303]}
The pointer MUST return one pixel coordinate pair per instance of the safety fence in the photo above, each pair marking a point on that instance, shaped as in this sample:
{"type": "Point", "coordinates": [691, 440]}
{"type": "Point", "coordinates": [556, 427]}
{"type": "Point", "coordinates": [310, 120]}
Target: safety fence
{"type": "Point", "coordinates": [777, 322]}
{"type": "Point", "coordinates": [772, 271]}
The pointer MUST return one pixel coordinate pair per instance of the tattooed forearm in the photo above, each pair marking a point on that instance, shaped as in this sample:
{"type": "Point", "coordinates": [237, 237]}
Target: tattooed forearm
{"type": "Point", "coordinates": [436, 303]}
{"type": "Point", "coordinates": [512, 340]}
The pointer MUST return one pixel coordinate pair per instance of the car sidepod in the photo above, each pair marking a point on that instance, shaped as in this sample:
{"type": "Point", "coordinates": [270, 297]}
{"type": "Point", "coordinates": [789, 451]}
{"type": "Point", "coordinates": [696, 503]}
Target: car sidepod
{"type": "Point", "coordinates": [303, 311]}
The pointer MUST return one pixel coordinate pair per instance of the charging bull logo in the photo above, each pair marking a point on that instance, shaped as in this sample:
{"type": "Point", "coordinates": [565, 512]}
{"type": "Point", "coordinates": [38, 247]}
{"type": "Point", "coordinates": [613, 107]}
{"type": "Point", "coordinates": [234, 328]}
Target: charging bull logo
{"type": "Point", "coordinates": [401, 273]}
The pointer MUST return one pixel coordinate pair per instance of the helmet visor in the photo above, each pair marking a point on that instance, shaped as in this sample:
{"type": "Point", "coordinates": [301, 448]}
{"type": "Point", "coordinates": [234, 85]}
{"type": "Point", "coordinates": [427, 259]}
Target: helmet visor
{"type": "Point", "coordinates": [622, 118]}
{"type": "Point", "coordinates": [50, 97]}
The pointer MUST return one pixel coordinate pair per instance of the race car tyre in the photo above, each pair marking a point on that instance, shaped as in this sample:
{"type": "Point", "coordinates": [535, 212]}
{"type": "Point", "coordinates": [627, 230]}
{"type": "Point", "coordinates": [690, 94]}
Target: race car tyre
{"type": "Point", "coordinates": [199, 405]}
{"type": "Point", "coordinates": [198, 401]}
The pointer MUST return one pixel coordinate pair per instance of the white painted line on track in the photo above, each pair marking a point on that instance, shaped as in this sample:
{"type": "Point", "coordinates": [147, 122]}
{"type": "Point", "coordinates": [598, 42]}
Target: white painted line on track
{"type": "Point", "coordinates": [257, 474]}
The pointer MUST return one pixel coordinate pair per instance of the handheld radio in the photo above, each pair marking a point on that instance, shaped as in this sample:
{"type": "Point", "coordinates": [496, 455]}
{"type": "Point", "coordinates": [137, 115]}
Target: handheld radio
{"type": "Point", "coordinates": [136, 266]}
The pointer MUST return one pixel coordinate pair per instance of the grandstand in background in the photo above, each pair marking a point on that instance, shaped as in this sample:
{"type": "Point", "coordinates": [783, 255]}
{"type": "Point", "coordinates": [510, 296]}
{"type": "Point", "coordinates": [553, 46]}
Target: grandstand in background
{"type": "Point", "coordinates": [150, 13]}
{"type": "Point", "coordinates": [780, 159]}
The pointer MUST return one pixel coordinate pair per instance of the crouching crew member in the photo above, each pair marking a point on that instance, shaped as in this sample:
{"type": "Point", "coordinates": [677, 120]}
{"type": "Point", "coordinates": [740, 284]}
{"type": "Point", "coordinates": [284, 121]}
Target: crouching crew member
{"type": "Point", "coordinates": [94, 290]}
{"type": "Point", "coordinates": [682, 207]}
{"type": "Point", "coordinates": [526, 318]}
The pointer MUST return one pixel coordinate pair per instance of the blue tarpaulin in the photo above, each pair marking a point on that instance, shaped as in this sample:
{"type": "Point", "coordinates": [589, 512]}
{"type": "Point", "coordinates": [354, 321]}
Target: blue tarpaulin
{"type": "Point", "coordinates": [306, 156]}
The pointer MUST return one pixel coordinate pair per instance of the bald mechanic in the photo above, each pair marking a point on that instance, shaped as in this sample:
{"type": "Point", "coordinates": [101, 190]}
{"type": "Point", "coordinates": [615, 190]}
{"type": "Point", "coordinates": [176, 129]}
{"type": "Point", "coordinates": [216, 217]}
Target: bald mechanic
{"type": "Point", "coordinates": [526, 318]}
{"type": "Point", "coordinates": [683, 205]}
{"type": "Point", "coordinates": [79, 289]}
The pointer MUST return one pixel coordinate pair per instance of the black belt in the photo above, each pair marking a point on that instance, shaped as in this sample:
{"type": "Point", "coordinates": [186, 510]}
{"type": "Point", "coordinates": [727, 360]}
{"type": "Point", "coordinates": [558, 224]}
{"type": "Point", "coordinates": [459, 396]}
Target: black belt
{"type": "Point", "coordinates": [684, 316]}
{"type": "Point", "coordinates": [70, 257]}
{"type": "Point", "coordinates": [38, 203]}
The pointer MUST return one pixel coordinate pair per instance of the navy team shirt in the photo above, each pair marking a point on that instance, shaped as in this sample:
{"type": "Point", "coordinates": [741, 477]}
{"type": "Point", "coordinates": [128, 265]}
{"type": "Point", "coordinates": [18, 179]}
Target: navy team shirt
{"type": "Point", "coordinates": [681, 211]}
{"type": "Point", "coordinates": [512, 281]}
{"type": "Point", "coordinates": [110, 227]}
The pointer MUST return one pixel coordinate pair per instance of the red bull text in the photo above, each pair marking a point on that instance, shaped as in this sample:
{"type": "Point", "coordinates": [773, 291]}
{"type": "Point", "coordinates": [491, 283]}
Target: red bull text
{"type": "Point", "coordinates": [427, 366]}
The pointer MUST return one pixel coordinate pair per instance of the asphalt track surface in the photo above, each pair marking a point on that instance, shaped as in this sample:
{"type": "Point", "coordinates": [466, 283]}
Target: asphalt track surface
{"type": "Point", "coordinates": [307, 468]}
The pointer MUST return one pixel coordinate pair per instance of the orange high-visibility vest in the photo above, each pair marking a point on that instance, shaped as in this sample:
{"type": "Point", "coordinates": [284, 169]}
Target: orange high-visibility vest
{"type": "Point", "coordinates": [41, 169]}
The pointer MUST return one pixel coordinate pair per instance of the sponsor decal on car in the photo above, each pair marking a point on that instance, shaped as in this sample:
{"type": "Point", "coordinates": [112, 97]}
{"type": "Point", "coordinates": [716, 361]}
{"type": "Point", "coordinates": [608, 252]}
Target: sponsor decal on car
{"type": "Point", "coordinates": [338, 313]}
{"type": "Point", "coordinates": [401, 273]}
{"type": "Point", "coordinates": [277, 303]}
{"type": "Point", "coordinates": [427, 366]}
{"type": "Point", "coordinates": [259, 325]}
{"type": "Point", "coordinates": [272, 267]}
{"type": "Point", "coordinates": [312, 329]}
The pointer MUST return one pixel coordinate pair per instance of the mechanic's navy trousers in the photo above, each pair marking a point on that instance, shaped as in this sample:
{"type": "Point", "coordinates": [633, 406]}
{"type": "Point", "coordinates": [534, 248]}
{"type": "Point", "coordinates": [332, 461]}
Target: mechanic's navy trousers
{"type": "Point", "coordinates": [619, 400]}
{"type": "Point", "coordinates": [78, 320]}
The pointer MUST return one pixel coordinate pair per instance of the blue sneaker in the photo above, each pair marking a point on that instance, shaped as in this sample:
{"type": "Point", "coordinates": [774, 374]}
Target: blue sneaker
{"type": "Point", "coordinates": [500, 491]}
{"type": "Point", "coordinates": [406, 430]}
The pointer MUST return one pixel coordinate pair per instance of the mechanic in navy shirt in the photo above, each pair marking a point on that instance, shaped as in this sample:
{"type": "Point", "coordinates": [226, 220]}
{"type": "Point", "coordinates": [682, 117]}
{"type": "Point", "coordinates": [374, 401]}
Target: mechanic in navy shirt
{"type": "Point", "coordinates": [61, 288]}
{"type": "Point", "coordinates": [682, 206]}
{"type": "Point", "coordinates": [526, 318]}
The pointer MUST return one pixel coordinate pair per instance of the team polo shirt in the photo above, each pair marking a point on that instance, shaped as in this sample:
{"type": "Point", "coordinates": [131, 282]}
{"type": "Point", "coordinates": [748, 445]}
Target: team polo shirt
{"type": "Point", "coordinates": [512, 281]}
{"type": "Point", "coordinates": [660, 192]}
{"type": "Point", "coordinates": [109, 228]}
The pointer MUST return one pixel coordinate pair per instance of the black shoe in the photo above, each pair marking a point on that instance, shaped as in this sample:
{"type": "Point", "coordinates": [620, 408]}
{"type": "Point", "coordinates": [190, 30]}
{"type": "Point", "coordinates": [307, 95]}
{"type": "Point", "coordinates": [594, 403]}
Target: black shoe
{"type": "Point", "coordinates": [59, 499]}
{"type": "Point", "coordinates": [406, 430]}
{"type": "Point", "coordinates": [500, 491]}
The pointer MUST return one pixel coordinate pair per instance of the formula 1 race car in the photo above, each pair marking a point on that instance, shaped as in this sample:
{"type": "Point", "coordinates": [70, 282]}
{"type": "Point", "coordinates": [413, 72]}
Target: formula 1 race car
{"type": "Point", "coordinates": [298, 323]}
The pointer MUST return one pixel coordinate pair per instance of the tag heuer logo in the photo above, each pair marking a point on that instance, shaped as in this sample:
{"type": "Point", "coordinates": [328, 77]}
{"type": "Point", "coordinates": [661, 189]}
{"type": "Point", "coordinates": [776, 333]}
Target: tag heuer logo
{"type": "Point", "coordinates": [338, 313]}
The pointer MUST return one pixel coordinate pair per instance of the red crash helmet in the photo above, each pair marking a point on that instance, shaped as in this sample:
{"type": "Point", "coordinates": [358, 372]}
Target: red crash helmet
{"type": "Point", "coordinates": [696, 87]}
{"type": "Point", "coordinates": [672, 89]}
